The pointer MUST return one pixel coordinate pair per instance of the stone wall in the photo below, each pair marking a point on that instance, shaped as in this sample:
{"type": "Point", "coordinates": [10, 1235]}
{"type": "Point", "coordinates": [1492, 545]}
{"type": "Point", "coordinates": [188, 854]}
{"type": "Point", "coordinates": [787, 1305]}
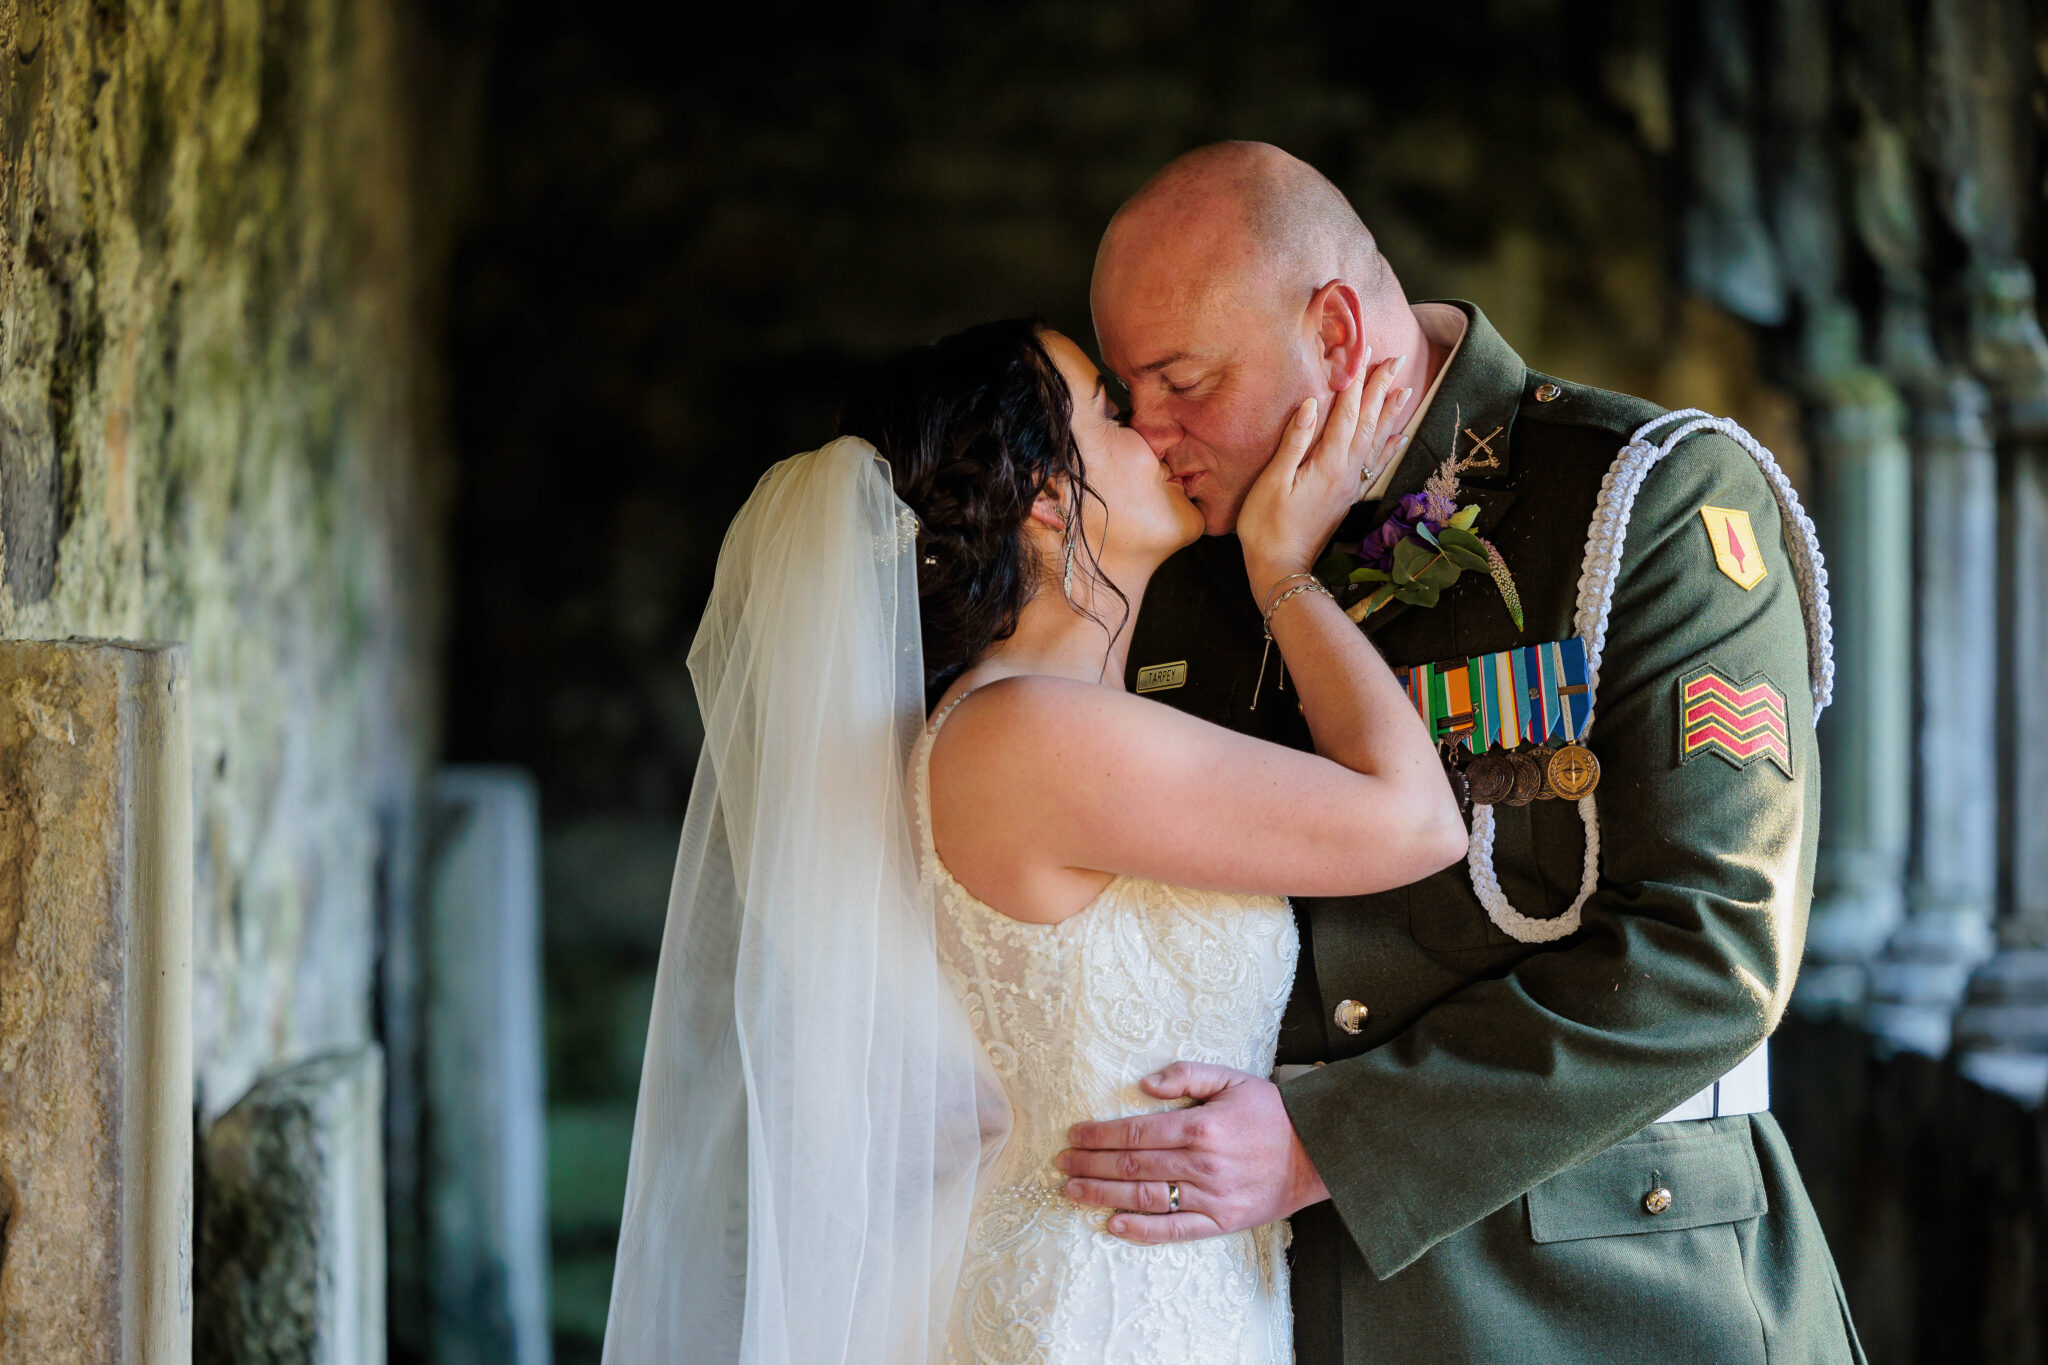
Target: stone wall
{"type": "Point", "coordinates": [221, 227]}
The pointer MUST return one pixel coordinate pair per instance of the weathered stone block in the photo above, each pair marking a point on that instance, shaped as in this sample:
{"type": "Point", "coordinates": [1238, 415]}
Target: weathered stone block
{"type": "Point", "coordinates": [291, 1228]}
{"type": "Point", "coordinates": [95, 1004]}
{"type": "Point", "coordinates": [487, 1270]}
{"type": "Point", "coordinates": [31, 497]}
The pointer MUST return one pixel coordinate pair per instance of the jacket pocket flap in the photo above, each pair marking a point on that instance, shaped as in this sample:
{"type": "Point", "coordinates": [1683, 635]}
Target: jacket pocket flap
{"type": "Point", "coordinates": [1712, 1177]}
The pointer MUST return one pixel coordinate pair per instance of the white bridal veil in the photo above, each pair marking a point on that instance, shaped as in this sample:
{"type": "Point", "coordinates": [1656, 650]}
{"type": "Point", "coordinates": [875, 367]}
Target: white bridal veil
{"type": "Point", "coordinates": [808, 1135]}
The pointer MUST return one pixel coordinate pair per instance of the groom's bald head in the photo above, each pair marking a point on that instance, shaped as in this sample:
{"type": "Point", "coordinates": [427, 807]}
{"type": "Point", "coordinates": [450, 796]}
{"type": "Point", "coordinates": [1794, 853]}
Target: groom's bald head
{"type": "Point", "coordinates": [1241, 216]}
{"type": "Point", "coordinates": [1236, 282]}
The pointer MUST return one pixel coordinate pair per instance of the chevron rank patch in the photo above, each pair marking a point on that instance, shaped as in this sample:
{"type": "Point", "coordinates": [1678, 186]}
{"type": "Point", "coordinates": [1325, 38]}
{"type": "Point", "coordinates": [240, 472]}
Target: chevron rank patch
{"type": "Point", "coordinates": [1740, 722]}
{"type": "Point", "coordinates": [1734, 542]}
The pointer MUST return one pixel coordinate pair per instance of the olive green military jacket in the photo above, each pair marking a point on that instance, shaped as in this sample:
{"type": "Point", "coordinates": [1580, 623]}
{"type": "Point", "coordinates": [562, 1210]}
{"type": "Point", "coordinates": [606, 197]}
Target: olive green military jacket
{"type": "Point", "coordinates": [1487, 1137]}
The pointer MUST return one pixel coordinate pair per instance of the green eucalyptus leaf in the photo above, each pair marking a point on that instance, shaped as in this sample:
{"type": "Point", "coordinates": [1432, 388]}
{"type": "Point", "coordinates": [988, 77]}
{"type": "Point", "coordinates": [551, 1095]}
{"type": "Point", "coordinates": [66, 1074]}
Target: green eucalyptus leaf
{"type": "Point", "coordinates": [1465, 517]}
{"type": "Point", "coordinates": [1380, 598]}
{"type": "Point", "coordinates": [1367, 574]}
{"type": "Point", "coordinates": [1464, 558]}
{"type": "Point", "coordinates": [1463, 539]}
{"type": "Point", "coordinates": [1419, 595]}
{"type": "Point", "coordinates": [1426, 534]}
{"type": "Point", "coordinates": [1411, 556]}
{"type": "Point", "coordinates": [1440, 574]}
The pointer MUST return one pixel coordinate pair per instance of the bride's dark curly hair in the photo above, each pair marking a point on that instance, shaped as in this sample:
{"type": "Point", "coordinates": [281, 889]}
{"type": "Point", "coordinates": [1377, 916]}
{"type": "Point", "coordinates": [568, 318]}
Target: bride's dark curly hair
{"type": "Point", "coordinates": [973, 426]}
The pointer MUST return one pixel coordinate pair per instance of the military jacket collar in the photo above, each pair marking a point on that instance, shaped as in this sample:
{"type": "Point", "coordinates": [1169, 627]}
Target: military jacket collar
{"type": "Point", "coordinates": [1473, 416]}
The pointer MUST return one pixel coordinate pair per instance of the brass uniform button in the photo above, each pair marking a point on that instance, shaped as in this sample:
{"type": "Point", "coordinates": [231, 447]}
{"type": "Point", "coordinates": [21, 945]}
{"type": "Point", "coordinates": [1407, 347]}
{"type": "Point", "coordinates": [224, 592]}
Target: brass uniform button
{"type": "Point", "coordinates": [1547, 392]}
{"type": "Point", "coordinates": [1351, 1016]}
{"type": "Point", "coordinates": [1657, 1200]}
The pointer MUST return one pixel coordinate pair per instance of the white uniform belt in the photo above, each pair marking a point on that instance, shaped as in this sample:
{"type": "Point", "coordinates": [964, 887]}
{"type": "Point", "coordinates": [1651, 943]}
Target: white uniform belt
{"type": "Point", "coordinates": [1744, 1090]}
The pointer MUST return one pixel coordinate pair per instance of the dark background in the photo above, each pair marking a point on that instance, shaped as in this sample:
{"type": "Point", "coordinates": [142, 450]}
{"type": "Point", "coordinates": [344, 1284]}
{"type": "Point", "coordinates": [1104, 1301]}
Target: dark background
{"type": "Point", "coordinates": [694, 245]}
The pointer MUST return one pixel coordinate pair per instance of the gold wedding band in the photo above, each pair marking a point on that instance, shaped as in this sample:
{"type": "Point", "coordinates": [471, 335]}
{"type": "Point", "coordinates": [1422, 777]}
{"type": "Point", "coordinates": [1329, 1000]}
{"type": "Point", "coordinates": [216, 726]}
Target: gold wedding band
{"type": "Point", "coordinates": [1173, 1196]}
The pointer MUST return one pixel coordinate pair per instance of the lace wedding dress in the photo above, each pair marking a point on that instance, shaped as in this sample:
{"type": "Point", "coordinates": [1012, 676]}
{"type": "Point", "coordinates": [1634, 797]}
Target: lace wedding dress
{"type": "Point", "coordinates": [1072, 1016]}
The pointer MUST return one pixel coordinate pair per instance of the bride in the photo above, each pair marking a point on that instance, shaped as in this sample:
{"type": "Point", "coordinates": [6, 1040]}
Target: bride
{"type": "Point", "coordinates": [946, 889]}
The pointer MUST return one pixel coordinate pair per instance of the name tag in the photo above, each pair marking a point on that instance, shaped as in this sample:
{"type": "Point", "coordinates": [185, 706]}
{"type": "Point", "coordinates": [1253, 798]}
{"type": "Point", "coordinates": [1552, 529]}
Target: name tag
{"type": "Point", "coordinates": [1162, 677]}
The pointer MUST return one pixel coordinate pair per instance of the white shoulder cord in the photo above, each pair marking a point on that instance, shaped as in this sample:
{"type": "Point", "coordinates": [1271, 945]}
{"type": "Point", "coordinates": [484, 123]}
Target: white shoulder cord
{"type": "Point", "coordinates": [1602, 568]}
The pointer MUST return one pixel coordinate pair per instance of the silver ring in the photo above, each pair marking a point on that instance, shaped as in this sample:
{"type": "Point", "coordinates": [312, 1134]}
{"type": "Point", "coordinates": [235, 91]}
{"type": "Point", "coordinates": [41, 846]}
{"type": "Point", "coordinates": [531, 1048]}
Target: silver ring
{"type": "Point", "coordinates": [1173, 1196]}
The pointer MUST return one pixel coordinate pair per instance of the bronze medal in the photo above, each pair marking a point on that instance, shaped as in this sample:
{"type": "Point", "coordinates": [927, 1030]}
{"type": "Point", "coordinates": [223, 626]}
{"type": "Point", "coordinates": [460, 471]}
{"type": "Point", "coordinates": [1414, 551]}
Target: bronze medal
{"type": "Point", "coordinates": [1528, 779]}
{"type": "Point", "coordinates": [1456, 777]}
{"type": "Point", "coordinates": [1541, 757]}
{"type": "Point", "coordinates": [1489, 779]}
{"type": "Point", "coordinates": [1573, 772]}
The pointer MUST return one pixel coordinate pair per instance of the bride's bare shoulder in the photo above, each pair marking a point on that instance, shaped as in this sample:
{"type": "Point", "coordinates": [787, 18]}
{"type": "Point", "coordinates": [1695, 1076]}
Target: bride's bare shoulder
{"type": "Point", "coordinates": [1033, 707]}
{"type": "Point", "coordinates": [1016, 733]}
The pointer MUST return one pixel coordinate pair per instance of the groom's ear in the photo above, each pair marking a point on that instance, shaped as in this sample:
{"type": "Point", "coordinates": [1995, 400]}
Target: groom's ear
{"type": "Point", "coordinates": [1337, 327]}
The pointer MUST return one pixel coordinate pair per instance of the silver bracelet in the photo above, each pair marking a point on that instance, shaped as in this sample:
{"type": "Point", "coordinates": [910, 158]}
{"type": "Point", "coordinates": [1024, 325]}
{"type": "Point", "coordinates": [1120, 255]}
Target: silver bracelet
{"type": "Point", "coordinates": [1313, 585]}
{"type": "Point", "coordinates": [1270, 603]}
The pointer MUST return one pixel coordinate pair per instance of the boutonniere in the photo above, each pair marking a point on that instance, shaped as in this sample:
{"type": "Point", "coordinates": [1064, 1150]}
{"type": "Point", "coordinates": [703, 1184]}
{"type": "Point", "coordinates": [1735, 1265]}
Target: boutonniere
{"type": "Point", "coordinates": [1417, 552]}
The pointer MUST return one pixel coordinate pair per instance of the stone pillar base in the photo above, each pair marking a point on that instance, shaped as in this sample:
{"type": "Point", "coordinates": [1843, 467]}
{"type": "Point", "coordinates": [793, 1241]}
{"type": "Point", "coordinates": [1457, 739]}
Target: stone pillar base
{"type": "Point", "coordinates": [487, 1269]}
{"type": "Point", "coordinates": [291, 1239]}
{"type": "Point", "coordinates": [95, 1004]}
{"type": "Point", "coordinates": [2001, 1032]}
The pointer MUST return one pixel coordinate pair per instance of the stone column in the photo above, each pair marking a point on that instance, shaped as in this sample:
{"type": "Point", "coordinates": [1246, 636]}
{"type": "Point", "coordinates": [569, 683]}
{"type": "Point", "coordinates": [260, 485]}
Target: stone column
{"type": "Point", "coordinates": [487, 1268]}
{"type": "Point", "coordinates": [95, 1004]}
{"type": "Point", "coordinates": [1987, 181]}
{"type": "Point", "coordinates": [291, 1265]}
{"type": "Point", "coordinates": [1866, 524]}
{"type": "Point", "coordinates": [1967, 122]}
{"type": "Point", "coordinates": [1728, 252]}
{"type": "Point", "coordinates": [1953, 873]}
{"type": "Point", "coordinates": [1855, 428]}
{"type": "Point", "coordinates": [2002, 1031]}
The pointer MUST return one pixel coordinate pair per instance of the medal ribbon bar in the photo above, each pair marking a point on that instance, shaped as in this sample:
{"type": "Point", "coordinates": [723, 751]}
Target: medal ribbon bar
{"type": "Point", "coordinates": [1532, 695]}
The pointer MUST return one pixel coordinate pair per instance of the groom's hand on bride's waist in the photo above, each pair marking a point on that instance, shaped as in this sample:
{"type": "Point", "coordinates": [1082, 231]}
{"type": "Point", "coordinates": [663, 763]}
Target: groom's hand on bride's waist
{"type": "Point", "coordinates": [1233, 1156]}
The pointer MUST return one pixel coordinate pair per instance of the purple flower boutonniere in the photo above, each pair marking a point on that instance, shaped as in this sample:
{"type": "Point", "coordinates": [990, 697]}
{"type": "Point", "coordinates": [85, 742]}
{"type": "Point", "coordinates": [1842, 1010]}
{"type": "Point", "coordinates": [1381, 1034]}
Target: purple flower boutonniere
{"type": "Point", "coordinates": [1417, 552]}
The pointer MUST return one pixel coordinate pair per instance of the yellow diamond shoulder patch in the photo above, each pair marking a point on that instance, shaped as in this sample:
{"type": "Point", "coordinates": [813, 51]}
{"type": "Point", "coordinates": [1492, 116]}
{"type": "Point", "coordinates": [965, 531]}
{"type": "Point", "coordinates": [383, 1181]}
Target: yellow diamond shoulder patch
{"type": "Point", "coordinates": [1734, 544]}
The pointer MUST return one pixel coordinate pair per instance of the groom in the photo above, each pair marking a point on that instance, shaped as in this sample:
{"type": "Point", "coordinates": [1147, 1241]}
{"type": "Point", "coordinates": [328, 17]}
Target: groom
{"type": "Point", "coordinates": [1493, 1150]}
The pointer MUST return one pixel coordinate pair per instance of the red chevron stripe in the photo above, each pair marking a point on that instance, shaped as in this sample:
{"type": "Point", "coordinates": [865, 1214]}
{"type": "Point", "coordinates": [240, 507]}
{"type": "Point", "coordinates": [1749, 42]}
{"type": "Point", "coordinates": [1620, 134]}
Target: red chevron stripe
{"type": "Point", "coordinates": [1714, 733]}
{"type": "Point", "coordinates": [1761, 717]}
{"type": "Point", "coordinates": [1762, 692]}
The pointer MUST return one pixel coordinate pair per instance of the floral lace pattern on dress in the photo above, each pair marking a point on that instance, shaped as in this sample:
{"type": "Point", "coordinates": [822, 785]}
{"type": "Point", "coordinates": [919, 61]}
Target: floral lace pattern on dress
{"type": "Point", "coordinates": [1072, 1016]}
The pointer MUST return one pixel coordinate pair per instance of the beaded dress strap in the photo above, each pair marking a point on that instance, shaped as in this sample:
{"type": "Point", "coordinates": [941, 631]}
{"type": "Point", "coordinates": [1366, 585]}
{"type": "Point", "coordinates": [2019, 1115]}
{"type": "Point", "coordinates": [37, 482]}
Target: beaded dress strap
{"type": "Point", "coordinates": [922, 778]}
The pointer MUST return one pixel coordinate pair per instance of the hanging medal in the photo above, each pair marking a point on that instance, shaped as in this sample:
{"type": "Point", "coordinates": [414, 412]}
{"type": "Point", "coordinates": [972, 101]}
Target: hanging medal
{"type": "Point", "coordinates": [1573, 771]}
{"type": "Point", "coordinates": [1519, 713]}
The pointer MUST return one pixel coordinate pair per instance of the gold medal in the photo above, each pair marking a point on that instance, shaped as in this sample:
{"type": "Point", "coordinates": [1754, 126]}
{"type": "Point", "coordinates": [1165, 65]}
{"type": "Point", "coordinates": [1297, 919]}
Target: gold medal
{"type": "Point", "coordinates": [1573, 772]}
{"type": "Point", "coordinates": [1528, 779]}
{"type": "Point", "coordinates": [1490, 779]}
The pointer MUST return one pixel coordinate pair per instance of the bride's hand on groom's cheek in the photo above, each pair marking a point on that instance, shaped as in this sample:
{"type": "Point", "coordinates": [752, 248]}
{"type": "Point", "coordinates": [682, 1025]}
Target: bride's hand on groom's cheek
{"type": "Point", "coordinates": [1295, 504]}
{"type": "Point", "coordinates": [1233, 1155]}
